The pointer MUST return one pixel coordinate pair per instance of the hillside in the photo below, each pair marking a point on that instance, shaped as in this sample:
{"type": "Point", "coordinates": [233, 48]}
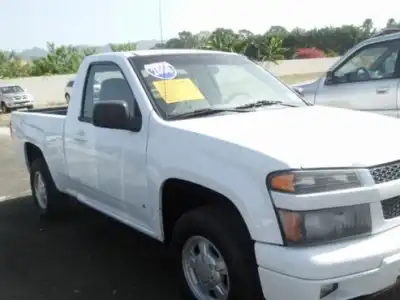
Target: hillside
{"type": "Point", "coordinates": [34, 53]}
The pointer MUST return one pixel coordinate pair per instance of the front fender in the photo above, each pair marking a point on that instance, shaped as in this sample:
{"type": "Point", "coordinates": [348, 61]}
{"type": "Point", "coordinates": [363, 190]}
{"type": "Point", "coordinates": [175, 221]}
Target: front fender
{"type": "Point", "coordinates": [245, 189]}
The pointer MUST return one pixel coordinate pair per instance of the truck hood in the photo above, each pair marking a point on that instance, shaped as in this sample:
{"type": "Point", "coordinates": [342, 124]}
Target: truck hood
{"type": "Point", "coordinates": [307, 137]}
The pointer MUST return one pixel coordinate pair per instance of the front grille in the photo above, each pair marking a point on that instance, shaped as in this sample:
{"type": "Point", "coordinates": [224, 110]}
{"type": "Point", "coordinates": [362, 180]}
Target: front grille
{"type": "Point", "coordinates": [391, 208]}
{"type": "Point", "coordinates": [17, 97]}
{"type": "Point", "coordinates": [385, 173]}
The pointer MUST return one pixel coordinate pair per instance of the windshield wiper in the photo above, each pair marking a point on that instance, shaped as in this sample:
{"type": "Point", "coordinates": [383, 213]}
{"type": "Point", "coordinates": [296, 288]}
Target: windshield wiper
{"type": "Point", "coordinates": [204, 112]}
{"type": "Point", "coordinates": [264, 103]}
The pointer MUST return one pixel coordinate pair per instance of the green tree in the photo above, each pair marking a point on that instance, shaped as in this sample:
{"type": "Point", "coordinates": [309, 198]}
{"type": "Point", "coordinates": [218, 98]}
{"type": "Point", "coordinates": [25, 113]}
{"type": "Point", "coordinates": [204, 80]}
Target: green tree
{"type": "Point", "coordinates": [271, 49]}
{"type": "Point", "coordinates": [59, 60]}
{"type": "Point", "coordinates": [275, 44]}
{"type": "Point", "coordinates": [123, 47]}
{"type": "Point", "coordinates": [223, 40]}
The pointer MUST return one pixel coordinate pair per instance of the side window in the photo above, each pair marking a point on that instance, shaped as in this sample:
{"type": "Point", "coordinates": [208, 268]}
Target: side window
{"type": "Point", "coordinates": [370, 63]}
{"type": "Point", "coordinates": [105, 82]}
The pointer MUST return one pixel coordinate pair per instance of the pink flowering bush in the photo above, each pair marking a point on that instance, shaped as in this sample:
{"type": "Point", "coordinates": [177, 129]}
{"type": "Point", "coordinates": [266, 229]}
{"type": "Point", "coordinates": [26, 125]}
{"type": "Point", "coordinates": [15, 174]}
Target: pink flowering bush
{"type": "Point", "coordinates": [309, 53]}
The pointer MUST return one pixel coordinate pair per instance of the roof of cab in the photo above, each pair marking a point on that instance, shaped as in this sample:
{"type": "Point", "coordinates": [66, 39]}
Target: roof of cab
{"type": "Point", "coordinates": [164, 52]}
{"type": "Point", "coordinates": [380, 37]}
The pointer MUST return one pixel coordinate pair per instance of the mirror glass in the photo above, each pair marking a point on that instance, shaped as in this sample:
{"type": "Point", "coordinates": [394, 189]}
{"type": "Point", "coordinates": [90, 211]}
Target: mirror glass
{"type": "Point", "coordinates": [111, 114]}
{"type": "Point", "coordinates": [299, 91]}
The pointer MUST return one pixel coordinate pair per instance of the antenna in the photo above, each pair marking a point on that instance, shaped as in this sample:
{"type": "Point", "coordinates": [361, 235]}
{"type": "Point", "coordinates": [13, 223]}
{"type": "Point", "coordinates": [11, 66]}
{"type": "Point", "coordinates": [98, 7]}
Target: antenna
{"type": "Point", "coordinates": [160, 20]}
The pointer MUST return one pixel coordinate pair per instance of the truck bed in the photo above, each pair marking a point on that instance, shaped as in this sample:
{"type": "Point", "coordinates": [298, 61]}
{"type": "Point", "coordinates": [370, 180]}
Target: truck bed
{"type": "Point", "coordinates": [43, 128]}
{"type": "Point", "coordinates": [56, 110]}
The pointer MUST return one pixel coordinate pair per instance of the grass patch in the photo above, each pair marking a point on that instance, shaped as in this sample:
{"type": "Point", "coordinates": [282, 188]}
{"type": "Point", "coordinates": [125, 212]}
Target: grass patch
{"type": "Point", "coordinates": [4, 119]}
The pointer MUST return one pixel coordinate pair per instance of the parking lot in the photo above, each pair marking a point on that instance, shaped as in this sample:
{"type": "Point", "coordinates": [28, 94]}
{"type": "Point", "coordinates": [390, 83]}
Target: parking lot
{"type": "Point", "coordinates": [82, 256]}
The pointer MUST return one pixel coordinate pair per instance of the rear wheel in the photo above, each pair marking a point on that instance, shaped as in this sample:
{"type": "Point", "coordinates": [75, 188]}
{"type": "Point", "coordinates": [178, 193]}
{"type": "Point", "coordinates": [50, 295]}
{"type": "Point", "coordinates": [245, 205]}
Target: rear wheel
{"type": "Point", "coordinates": [215, 256]}
{"type": "Point", "coordinates": [47, 198]}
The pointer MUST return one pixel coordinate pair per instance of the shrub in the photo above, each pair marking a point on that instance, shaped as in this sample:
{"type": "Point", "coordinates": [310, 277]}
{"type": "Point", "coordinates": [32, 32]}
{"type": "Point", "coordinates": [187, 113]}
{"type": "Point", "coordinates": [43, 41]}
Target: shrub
{"type": "Point", "coordinates": [309, 53]}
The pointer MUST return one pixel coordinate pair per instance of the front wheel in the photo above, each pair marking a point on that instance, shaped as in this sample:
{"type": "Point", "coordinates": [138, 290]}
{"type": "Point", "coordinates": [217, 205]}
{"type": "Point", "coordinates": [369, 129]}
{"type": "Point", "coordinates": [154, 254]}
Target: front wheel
{"type": "Point", "coordinates": [67, 97]}
{"type": "Point", "coordinates": [215, 256]}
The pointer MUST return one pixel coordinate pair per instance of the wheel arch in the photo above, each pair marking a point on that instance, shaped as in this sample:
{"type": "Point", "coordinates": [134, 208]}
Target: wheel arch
{"type": "Point", "coordinates": [175, 193]}
{"type": "Point", "coordinates": [32, 152]}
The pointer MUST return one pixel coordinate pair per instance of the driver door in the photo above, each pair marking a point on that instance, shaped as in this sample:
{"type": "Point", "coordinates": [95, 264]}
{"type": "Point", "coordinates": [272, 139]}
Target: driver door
{"type": "Point", "coordinates": [368, 80]}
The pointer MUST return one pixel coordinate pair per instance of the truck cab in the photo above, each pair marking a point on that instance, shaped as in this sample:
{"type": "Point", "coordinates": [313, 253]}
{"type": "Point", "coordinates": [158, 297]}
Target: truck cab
{"type": "Point", "coordinates": [253, 189]}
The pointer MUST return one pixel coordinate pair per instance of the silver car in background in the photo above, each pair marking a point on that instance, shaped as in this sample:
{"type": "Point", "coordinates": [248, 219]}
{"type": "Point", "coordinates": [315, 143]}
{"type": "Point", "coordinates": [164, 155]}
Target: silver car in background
{"type": "Point", "coordinates": [366, 78]}
{"type": "Point", "coordinates": [14, 97]}
{"type": "Point", "coordinates": [70, 84]}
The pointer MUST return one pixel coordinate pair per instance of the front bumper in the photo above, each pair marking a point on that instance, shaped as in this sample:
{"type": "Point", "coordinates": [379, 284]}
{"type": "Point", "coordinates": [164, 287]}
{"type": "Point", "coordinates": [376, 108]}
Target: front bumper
{"type": "Point", "coordinates": [359, 267]}
{"type": "Point", "coordinates": [16, 105]}
{"type": "Point", "coordinates": [367, 284]}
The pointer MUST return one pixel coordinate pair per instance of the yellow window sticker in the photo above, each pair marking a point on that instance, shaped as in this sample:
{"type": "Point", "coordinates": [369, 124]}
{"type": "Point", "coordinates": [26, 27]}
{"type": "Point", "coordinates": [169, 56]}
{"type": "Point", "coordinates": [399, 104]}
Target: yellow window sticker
{"type": "Point", "coordinates": [178, 90]}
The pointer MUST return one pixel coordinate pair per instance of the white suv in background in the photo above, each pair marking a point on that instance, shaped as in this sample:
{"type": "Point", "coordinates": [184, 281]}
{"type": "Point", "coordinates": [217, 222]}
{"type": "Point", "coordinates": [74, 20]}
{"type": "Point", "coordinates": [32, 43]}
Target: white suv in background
{"type": "Point", "coordinates": [13, 96]}
{"type": "Point", "coordinates": [70, 84]}
{"type": "Point", "coordinates": [68, 90]}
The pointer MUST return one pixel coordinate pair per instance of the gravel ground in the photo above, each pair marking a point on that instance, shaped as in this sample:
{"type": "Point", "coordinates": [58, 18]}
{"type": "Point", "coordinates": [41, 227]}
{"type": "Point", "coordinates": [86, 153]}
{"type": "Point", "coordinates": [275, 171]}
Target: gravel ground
{"type": "Point", "coordinates": [82, 256]}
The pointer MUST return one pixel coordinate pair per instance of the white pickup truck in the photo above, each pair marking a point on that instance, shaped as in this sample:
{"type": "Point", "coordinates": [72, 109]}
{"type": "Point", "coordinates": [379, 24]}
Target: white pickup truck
{"type": "Point", "coordinates": [259, 194]}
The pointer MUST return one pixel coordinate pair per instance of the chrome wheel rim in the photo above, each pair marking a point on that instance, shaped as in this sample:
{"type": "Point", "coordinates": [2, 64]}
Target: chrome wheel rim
{"type": "Point", "coordinates": [40, 190]}
{"type": "Point", "coordinates": [205, 269]}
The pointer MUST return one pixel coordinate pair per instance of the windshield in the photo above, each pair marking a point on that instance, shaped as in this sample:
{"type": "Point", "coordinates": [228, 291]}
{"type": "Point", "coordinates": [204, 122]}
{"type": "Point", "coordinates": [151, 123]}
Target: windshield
{"type": "Point", "coordinates": [11, 89]}
{"type": "Point", "coordinates": [181, 83]}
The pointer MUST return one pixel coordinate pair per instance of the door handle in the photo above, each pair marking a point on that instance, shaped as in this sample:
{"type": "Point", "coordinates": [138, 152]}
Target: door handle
{"type": "Point", "coordinates": [80, 137]}
{"type": "Point", "coordinates": [79, 140]}
{"type": "Point", "coordinates": [382, 90]}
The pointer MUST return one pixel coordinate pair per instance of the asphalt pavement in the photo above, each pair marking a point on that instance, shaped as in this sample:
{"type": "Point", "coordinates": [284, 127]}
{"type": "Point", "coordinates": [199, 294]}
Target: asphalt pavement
{"type": "Point", "coordinates": [83, 256]}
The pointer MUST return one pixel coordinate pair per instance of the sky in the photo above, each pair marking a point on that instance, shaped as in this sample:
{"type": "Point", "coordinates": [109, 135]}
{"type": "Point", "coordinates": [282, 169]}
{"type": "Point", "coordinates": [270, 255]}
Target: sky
{"type": "Point", "coordinates": [98, 22]}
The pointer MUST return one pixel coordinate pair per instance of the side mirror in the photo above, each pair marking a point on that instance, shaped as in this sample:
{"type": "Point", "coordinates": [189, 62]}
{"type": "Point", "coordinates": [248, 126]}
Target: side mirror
{"type": "Point", "coordinates": [111, 114]}
{"type": "Point", "coordinates": [299, 91]}
{"type": "Point", "coordinates": [329, 78]}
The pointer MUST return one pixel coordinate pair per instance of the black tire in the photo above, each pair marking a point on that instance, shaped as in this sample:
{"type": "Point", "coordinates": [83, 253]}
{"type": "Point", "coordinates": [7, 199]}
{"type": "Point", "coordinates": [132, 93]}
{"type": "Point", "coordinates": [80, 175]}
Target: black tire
{"type": "Point", "coordinates": [67, 97]}
{"type": "Point", "coordinates": [57, 202]}
{"type": "Point", "coordinates": [228, 233]}
{"type": "Point", "coordinates": [4, 108]}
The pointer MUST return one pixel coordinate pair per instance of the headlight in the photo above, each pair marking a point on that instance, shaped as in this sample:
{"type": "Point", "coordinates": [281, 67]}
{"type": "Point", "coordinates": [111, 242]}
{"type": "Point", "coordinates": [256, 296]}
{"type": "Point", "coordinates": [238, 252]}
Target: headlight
{"type": "Point", "coordinates": [313, 181]}
{"type": "Point", "coordinates": [305, 227]}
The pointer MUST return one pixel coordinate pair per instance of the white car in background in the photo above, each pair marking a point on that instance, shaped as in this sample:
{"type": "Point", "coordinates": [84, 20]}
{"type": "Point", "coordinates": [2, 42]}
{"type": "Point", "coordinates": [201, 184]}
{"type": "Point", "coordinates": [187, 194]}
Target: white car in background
{"type": "Point", "coordinates": [14, 97]}
{"type": "Point", "coordinates": [366, 78]}
{"type": "Point", "coordinates": [70, 84]}
{"type": "Point", "coordinates": [68, 90]}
